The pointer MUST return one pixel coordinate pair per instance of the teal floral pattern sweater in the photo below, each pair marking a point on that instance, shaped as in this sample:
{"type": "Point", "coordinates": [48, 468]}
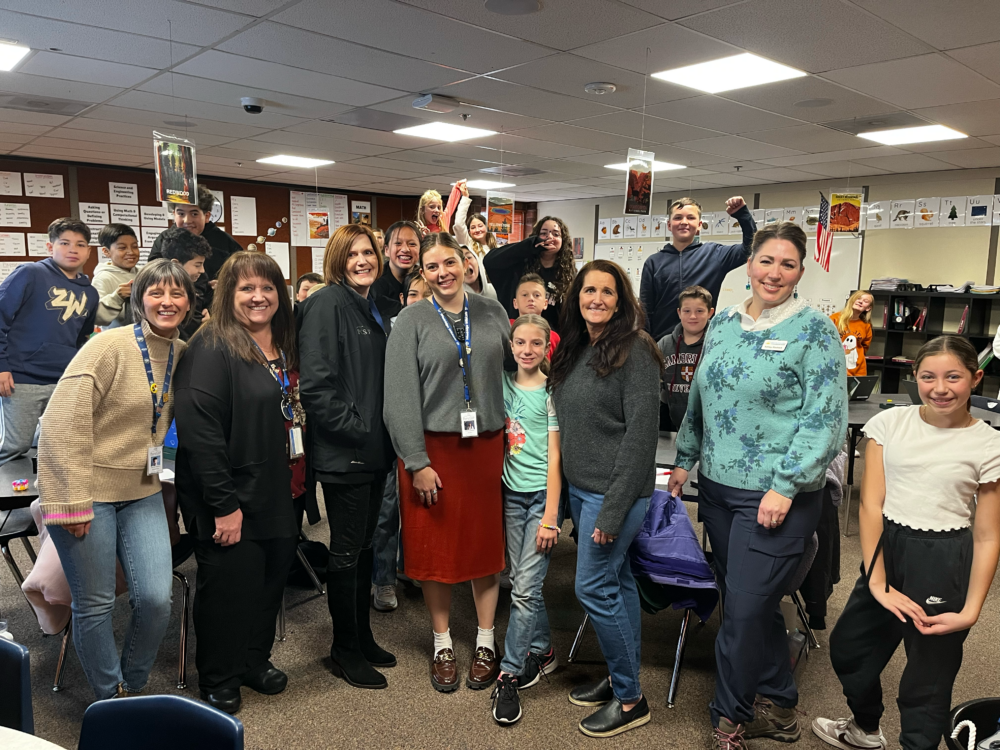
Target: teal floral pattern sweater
{"type": "Point", "coordinates": [762, 419]}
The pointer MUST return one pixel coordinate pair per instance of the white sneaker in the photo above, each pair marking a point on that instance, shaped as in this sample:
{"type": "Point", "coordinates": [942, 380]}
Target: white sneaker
{"type": "Point", "coordinates": [385, 598]}
{"type": "Point", "coordinates": [846, 734]}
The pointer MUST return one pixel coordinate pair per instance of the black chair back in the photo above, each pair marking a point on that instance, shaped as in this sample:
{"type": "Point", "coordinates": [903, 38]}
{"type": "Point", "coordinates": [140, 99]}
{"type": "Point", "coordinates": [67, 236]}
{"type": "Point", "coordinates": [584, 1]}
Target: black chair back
{"type": "Point", "coordinates": [159, 722]}
{"type": "Point", "coordinates": [15, 676]}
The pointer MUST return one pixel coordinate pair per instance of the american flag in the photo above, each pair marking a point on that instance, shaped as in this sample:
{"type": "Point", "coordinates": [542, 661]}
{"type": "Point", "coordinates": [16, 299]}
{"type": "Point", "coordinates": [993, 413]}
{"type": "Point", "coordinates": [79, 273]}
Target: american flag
{"type": "Point", "coordinates": [824, 237]}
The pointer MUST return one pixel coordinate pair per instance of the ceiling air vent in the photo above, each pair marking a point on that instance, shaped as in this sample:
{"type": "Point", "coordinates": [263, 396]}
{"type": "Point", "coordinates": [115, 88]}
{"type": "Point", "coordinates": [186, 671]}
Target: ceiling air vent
{"type": "Point", "coordinates": [50, 106]}
{"type": "Point", "coordinates": [373, 119]}
{"type": "Point", "coordinates": [876, 122]}
{"type": "Point", "coordinates": [513, 171]}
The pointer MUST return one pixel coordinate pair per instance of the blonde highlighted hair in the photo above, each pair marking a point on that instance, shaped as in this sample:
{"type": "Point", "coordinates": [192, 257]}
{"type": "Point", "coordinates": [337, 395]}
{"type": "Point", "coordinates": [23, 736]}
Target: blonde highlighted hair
{"type": "Point", "coordinates": [542, 325]}
{"type": "Point", "coordinates": [845, 315]}
{"type": "Point", "coordinates": [426, 198]}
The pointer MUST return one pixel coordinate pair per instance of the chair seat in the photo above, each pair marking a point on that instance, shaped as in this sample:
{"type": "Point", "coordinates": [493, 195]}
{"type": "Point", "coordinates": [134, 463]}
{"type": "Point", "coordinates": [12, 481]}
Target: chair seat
{"type": "Point", "coordinates": [16, 523]}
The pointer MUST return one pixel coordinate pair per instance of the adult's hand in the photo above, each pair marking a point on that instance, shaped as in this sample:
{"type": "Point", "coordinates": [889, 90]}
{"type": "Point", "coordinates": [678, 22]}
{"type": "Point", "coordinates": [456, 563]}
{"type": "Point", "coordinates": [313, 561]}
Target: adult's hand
{"type": "Point", "coordinates": [125, 290]}
{"type": "Point", "coordinates": [734, 204]}
{"type": "Point", "coordinates": [228, 529]}
{"type": "Point", "coordinates": [675, 485]}
{"type": "Point", "coordinates": [427, 483]}
{"type": "Point", "coordinates": [6, 384]}
{"type": "Point", "coordinates": [601, 538]}
{"type": "Point", "coordinates": [79, 530]}
{"type": "Point", "coordinates": [898, 603]}
{"type": "Point", "coordinates": [773, 509]}
{"type": "Point", "coordinates": [463, 187]}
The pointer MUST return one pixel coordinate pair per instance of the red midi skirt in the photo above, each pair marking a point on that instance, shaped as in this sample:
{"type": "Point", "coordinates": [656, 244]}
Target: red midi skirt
{"type": "Point", "coordinates": [461, 537]}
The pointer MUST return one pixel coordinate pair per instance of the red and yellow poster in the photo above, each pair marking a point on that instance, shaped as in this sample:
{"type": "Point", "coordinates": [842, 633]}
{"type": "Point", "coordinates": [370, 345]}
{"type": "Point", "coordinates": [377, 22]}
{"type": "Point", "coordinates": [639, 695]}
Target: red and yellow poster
{"type": "Point", "coordinates": [500, 215]}
{"type": "Point", "coordinates": [845, 212]}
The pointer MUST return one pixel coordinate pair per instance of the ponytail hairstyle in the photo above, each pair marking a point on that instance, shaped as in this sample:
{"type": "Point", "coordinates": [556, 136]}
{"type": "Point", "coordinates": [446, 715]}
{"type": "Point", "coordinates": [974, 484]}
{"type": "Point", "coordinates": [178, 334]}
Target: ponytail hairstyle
{"type": "Point", "coordinates": [959, 348]}
{"type": "Point", "coordinates": [845, 314]}
{"type": "Point", "coordinates": [542, 325]}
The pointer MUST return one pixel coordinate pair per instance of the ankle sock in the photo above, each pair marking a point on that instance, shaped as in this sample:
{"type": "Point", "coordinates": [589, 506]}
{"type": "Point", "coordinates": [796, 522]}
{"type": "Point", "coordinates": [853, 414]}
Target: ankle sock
{"type": "Point", "coordinates": [442, 641]}
{"type": "Point", "coordinates": [485, 638]}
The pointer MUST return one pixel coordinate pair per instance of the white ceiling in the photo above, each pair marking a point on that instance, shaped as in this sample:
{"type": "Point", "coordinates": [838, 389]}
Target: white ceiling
{"type": "Point", "coordinates": [135, 65]}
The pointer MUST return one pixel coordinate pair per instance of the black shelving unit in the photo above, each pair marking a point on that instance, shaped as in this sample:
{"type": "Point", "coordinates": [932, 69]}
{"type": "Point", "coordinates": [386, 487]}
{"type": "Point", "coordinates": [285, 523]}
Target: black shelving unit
{"type": "Point", "coordinates": [943, 311]}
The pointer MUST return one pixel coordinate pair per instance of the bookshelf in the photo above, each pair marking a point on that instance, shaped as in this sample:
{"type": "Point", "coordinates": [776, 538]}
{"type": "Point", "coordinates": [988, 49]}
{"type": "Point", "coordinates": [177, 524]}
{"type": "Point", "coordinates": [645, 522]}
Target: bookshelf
{"type": "Point", "coordinates": [944, 316]}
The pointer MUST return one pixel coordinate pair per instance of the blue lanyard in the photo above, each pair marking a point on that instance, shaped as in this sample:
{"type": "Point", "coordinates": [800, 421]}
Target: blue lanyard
{"type": "Point", "coordinates": [463, 356]}
{"type": "Point", "coordinates": [286, 400]}
{"type": "Point", "coordinates": [378, 316]}
{"type": "Point", "coordinates": [164, 394]}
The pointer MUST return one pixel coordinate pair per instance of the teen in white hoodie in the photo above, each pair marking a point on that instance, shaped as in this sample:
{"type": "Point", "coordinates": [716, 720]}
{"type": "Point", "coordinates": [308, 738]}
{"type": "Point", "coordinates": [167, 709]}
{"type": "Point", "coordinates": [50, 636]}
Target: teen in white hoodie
{"type": "Point", "coordinates": [113, 277]}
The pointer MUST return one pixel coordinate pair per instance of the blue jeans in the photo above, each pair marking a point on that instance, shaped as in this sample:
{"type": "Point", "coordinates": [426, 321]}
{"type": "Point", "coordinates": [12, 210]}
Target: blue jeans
{"type": "Point", "coordinates": [607, 590]}
{"type": "Point", "coordinates": [136, 533]}
{"type": "Point", "coordinates": [386, 542]}
{"type": "Point", "coordinates": [528, 627]}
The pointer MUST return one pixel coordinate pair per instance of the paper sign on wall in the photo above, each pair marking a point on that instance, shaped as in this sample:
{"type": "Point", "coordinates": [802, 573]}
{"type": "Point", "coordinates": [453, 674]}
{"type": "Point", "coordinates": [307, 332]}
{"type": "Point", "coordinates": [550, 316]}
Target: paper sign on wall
{"type": "Point", "coordinates": [811, 217]}
{"type": "Point", "coordinates": [12, 244]}
{"type": "Point", "coordinates": [43, 185]}
{"type": "Point", "coordinates": [301, 204]}
{"type": "Point", "coordinates": [794, 215]}
{"type": "Point", "coordinates": [996, 210]}
{"type": "Point", "coordinates": [279, 251]}
{"type": "Point", "coordinates": [123, 192]}
{"type": "Point", "coordinates": [603, 229]}
{"type": "Point", "coordinates": [877, 215]}
{"type": "Point", "coordinates": [125, 214]}
{"type": "Point", "coordinates": [15, 215]}
{"type": "Point", "coordinates": [659, 226]}
{"type": "Point", "coordinates": [10, 183]}
{"type": "Point", "coordinates": [980, 211]}
{"type": "Point", "coordinates": [645, 226]}
{"type": "Point", "coordinates": [95, 216]}
{"type": "Point", "coordinates": [243, 216]}
{"type": "Point", "coordinates": [953, 211]}
{"type": "Point", "coordinates": [759, 216]}
{"type": "Point", "coordinates": [154, 216]}
{"type": "Point", "coordinates": [7, 268]}
{"type": "Point", "coordinates": [38, 245]}
{"type": "Point", "coordinates": [901, 214]}
{"type": "Point", "coordinates": [616, 229]}
{"type": "Point", "coordinates": [773, 216]}
{"type": "Point", "coordinates": [707, 224]}
{"type": "Point", "coordinates": [925, 213]}
{"type": "Point", "coordinates": [721, 224]}
{"type": "Point", "coordinates": [361, 212]}
{"type": "Point", "coordinates": [317, 260]}
{"type": "Point", "coordinates": [149, 235]}
{"type": "Point", "coordinates": [631, 226]}
{"type": "Point", "coordinates": [143, 256]}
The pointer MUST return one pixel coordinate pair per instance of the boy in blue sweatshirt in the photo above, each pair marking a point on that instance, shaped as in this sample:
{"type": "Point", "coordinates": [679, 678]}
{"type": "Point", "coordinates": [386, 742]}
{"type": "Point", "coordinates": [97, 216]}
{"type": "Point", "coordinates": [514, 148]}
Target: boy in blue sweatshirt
{"type": "Point", "coordinates": [47, 312]}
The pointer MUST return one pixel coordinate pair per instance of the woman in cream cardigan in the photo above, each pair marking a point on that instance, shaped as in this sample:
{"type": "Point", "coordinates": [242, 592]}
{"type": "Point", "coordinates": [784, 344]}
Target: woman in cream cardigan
{"type": "Point", "coordinates": [99, 457]}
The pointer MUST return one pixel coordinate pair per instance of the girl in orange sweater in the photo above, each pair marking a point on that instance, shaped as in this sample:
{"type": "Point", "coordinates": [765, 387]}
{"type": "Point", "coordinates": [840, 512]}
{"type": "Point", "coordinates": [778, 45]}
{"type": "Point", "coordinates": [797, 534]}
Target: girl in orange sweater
{"type": "Point", "coordinates": [855, 320]}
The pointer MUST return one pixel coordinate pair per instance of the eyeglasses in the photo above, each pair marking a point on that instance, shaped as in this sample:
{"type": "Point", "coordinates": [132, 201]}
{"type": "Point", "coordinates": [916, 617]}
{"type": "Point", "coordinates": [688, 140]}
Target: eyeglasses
{"type": "Point", "coordinates": [545, 234]}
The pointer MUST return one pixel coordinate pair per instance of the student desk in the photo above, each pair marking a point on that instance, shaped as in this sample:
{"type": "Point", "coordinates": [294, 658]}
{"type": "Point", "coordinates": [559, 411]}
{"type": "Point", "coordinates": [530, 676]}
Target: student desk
{"type": "Point", "coordinates": [19, 468]}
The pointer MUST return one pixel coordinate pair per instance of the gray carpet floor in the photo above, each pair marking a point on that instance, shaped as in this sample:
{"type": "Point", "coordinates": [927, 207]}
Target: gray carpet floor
{"type": "Point", "coordinates": [320, 711]}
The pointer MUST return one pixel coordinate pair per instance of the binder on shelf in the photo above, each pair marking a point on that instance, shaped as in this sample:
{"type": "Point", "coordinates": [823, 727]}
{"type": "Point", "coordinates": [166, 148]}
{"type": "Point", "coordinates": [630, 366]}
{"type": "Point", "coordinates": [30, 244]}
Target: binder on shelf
{"type": "Point", "coordinates": [961, 324]}
{"type": "Point", "coordinates": [885, 316]}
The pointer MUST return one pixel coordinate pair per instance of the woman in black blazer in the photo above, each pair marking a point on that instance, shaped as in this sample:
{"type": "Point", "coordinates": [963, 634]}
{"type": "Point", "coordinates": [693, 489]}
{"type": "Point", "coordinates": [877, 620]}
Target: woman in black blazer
{"type": "Point", "coordinates": [238, 434]}
{"type": "Point", "coordinates": [342, 340]}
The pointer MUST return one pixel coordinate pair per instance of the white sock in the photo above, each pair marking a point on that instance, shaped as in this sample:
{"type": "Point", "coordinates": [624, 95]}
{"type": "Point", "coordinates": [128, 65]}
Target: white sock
{"type": "Point", "coordinates": [442, 641]}
{"type": "Point", "coordinates": [485, 638]}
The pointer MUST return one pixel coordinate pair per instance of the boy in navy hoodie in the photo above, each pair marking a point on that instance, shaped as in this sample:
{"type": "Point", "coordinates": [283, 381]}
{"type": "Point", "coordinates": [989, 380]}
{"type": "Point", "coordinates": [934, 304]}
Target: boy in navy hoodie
{"type": "Point", "coordinates": [47, 312]}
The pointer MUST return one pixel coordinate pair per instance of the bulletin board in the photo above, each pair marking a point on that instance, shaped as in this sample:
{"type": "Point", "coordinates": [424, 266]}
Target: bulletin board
{"type": "Point", "coordinates": [43, 210]}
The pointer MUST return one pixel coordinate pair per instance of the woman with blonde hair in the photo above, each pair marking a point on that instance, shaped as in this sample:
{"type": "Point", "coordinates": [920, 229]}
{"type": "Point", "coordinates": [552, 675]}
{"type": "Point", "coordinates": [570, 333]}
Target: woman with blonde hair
{"type": "Point", "coordinates": [472, 231]}
{"type": "Point", "coordinates": [432, 216]}
{"type": "Point", "coordinates": [855, 320]}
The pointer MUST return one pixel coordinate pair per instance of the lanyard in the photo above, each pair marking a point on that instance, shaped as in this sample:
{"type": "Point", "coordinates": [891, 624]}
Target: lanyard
{"type": "Point", "coordinates": [376, 313]}
{"type": "Point", "coordinates": [164, 394]}
{"type": "Point", "coordinates": [677, 363]}
{"type": "Point", "coordinates": [286, 400]}
{"type": "Point", "coordinates": [465, 356]}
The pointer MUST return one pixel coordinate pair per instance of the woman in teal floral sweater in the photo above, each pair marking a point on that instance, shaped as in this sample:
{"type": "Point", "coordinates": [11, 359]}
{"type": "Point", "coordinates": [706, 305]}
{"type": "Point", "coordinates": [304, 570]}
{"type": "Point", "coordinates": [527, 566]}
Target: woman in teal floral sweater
{"type": "Point", "coordinates": [766, 415]}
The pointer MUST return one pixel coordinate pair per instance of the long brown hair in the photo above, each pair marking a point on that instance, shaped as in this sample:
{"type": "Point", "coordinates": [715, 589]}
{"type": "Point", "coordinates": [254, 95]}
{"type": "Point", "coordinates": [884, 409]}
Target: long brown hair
{"type": "Point", "coordinates": [490, 240]}
{"type": "Point", "coordinates": [956, 346]}
{"type": "Point", "coordinates": [845, 314]}
{"type": "Point", "coordinates": [615, 344]}
{"type": "Point", "coordinates": [338, 247]}
{"type": "Point", "coordinates": [565, 263]}
{"type": "Point", "coordinates": [224, 330]}
{"type": "Point", "coordinates": [542, 325]}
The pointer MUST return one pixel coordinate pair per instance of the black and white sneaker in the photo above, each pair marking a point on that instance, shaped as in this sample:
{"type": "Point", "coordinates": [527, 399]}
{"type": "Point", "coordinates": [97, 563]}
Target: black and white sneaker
{"type": "Point", "coordinates": [535, 666]}
{"type": "Point", "coordinates": [506, 703]}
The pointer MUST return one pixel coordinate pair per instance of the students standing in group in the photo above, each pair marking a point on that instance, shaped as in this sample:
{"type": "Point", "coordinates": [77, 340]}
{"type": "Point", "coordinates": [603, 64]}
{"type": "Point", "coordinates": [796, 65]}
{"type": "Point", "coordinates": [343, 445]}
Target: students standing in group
{"type": "Point", "coordinates": [856, 320]}
{"type": "Point", "coordinates": [237, 430]}
{"type": "Point", "coordinates": [99, 458]}
{"type": "Point", "coordinates": [475, 279]}
{"type": "Point", "coordinates": [402, 249]}
{"type": "Point", "coordinates": [47, 312]}
{"type": "Point", "coordinates": [604, 383]}
{"type": "Point", "coordinates": [766, 414]}
{"type": "Point", "coordinates": [432, 216]}
{"type": "Point", "coordinates": [530, 299]}
{"type": "Point", "coordinates": [342, 339]}
{"type": "Point", "coordinates": [444, 410]}
{"type": "Point", "coordinates": [191, 252]}
{"type": "Point", "coordinates": [548, 252]}
{"type": "Point", "coordinates": [472, 231]}
{"type": "Point", "coordinates": [926, 567]}
{"type": "Point", "coordinates": [114, 277]}
{"type": "Point", "coordinates": [682, 349]}
{"type": "Point", "coordinates": [306, 282]}
{"type": "Point", "coordinates": [686, 261]}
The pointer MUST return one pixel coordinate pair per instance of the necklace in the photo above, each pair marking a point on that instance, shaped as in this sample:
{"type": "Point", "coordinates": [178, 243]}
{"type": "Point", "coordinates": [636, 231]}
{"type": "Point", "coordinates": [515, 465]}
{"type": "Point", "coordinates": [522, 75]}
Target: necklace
{"type": "Point", "coordinates": [923, 415]}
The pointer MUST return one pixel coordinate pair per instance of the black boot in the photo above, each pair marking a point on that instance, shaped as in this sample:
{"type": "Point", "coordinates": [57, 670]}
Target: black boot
{"type": "Point", "coordinates": [376, 656]}
{"type": "Point", "coordinates": [348, 661]}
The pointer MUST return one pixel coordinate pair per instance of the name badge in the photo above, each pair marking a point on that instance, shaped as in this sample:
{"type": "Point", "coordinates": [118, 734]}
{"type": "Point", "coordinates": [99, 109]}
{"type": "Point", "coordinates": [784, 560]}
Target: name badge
{"type": "Point", "coordinates": [154, 460]}
{"type": "Point", "coordinates": [773, 345]}
{"type": "Point", "coordinates": [295, 446]}
{"type": "Point", "coordinates": [470, 424]}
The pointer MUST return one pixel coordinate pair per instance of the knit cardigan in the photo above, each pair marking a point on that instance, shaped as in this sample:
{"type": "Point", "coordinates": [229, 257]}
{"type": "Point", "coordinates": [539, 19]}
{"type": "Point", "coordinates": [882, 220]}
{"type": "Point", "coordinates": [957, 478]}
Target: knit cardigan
{"type": "Point", "coordinates": [96, 429]}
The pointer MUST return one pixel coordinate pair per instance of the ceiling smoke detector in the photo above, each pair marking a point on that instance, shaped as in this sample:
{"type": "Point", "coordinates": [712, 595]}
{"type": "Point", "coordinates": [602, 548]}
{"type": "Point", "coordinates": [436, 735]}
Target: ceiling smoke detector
{"type": "Point", "coordinates": [600, 88]}
{"type": "Point", "coordinates": [513, 7]}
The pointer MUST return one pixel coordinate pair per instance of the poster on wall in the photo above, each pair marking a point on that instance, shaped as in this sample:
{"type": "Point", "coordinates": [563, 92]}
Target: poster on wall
{"type": "Point", "coordinates": [176, 169]}
{"type": "Point", "coordinates": [123, 192]}
{"type": "Point", "coordinates": [10, 183]}
{"type": "Point", "coordinates": [639, 183]}
{"type": "Point", "coordinates": [707, 224]}
{"type": "Point", "coordinates": [645, 226]}
{"type": "Point", "coordinates": [336, 207]}
{"type": "Point", "coordinates": [603, 229]}
{"type": "Point", "coordinates": [877, 215]}
{"type": "Point", "coordinates": [15, 215]}
{"type": "Point", "coordinates": [794, 215]}
{"type": "Point", "coordinates": [124, 213]}
{"type": "Point", "coordinates": [616, 229]}
{"type": "Point", "coordinates": [721, 224]}
{"type": "Point", "coordinates": [979, 211]}
{"type": "Point", "coordinates": [953, 211]}
{"type": "Point", "coordinates": [845, 212]}
{"type": "Point", "coordinates": [901, 214]}
{"type": "Point", "coordinates": [996, 210]}
{"type": "Point", "coordinates": [319, 225]}
{"type": "Point", "coordinates": [43, 185]}
{"type": "Point", "coordinates": [12, 244]}
{"type": "Point", "coordinates": [500, 215]}
{"type": "Point", "coordinates": [810, 218]}
{"type": "Point", "coordinates": [361, 213]}
{"type": "Point", "coordinates": [659, 226]}
{"type": "Point", "coordinates": [926, 212]}
{"type": "Point", "coordinates": [154, 216]}
{"type": "Point", "coordinates": [38, 245]}
{"type": "Point", "coordinates": [631, 226]}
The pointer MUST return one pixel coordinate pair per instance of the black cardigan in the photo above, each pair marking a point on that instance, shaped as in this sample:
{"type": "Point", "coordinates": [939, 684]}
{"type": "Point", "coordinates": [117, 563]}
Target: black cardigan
{"type": "Point", "coordinates": [505, 265]}
{"type": "Point", "coordinates": [232, 451]}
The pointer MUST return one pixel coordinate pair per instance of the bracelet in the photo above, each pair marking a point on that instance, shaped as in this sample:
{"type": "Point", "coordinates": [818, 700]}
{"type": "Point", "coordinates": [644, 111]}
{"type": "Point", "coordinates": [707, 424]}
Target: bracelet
{"type": "Point", "coordinates": [550, 528]}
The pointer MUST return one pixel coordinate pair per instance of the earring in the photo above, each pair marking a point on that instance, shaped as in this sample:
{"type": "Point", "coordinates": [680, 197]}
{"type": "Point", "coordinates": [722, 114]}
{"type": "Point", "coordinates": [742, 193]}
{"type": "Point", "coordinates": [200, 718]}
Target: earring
{"type": "Point", "coordinates": [748, 282]}
{"type": "Point", "coordinates": [795, 295]}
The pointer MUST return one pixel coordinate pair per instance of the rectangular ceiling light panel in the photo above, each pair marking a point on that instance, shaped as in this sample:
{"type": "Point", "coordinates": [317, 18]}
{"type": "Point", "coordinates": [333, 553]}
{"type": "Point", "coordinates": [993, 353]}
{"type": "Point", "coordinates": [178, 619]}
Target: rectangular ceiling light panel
{"type": "Point", "coordinates": [11, 55]}
{"type": "Point", "coordinates": [658, 166]}
{"type": "Point", "coordinates": [294, 161]}
{"type": "Point", "coordinates": [922, 134]}
{"type": "Point", "coordinates": [729, 73]}
{"type": "Point", "coordinates": [445, 131]}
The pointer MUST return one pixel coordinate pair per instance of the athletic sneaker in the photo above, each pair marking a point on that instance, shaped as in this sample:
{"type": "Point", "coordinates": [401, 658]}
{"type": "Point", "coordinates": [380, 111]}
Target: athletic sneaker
{"type": "Point", "coordinates": [401, 576]}
{"type": "Point", "coordinates": [506, 702]}
{"type": "Point", "coordinates": [535, 666]}
{"type": "Point", "coordinates": [728, 736]}
{"type": "Point", "coordinates": [772, 722]}
{"type": "Point", "coordinates": [846, 734]}
{"type": "Point", "coordinates": [385, 598]}
{"type": "Point", "coordinates": [505, 579]}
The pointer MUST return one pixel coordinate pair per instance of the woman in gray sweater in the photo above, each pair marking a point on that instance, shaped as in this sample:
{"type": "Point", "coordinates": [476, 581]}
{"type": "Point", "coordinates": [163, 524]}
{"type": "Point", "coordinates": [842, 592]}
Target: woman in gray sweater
{"type": "Point", "coordinates": [605, 384]}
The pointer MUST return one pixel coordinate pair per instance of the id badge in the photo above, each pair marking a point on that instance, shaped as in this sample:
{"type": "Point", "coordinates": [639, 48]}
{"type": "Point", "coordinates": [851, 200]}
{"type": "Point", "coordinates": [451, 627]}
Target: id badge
{"type": "Point", "coordinates": [154, 460]}
{"type": "Point", "coordinates": [295, 447]}
{"type": "Point", "coordinates": [773, 345]}
{"type": "Point", "coordinates": [470, 424]}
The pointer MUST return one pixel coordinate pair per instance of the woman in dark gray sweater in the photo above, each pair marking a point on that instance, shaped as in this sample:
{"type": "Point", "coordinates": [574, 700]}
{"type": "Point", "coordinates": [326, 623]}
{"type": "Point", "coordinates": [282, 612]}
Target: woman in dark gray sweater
{"type": "Point", "coordinates": [605, 383]}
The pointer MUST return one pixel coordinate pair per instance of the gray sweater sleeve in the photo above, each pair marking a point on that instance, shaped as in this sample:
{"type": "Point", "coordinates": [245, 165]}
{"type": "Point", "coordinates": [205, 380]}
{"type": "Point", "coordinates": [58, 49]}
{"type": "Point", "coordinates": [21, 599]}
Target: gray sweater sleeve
{"type": "Point", "coordinates": [402, 410]}
{"type": "Point", "coordinates": [635, 457]}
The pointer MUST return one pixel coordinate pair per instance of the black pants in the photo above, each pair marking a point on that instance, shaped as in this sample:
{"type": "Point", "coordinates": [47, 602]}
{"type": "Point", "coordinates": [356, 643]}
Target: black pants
{"type": "Point", "coordinates": [824, 574]}
{"type": "Point", "coordinates": [352, 510]}
{"type": "Point", "coordinates": [236, 605]}
{"type": "Point", "coordinates": [923, 565]}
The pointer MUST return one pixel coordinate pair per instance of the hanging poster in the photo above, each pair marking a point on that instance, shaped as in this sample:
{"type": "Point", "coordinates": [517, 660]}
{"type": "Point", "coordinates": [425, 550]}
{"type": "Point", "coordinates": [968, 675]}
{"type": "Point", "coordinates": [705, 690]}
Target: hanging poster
{"type": "Point", "coordinates": [616, 229]}
{"type": "Point", "coordinates": [578, 248]}
{"type": "Point", "coordinates": [15, 215]}
{"type": "Point", "coordinates": [319, 225]}
{"type": "Point", "coordinates": [707, 224]}
{"type": "Point", "coordinates": [845, 212]}
{"type": "Point", "coordinates": [639, 183]}
{"type": "Point", "coordinates": [810, 217]}
{"type": "Point", "coordinates": [773, 216]}
{"type": "Point", "coordinates": [901, 214]}
{"type": "Point", "coordinates": [38, 245]}
{"type": "Point", "coordinates": [980, 211]}
{"type": "Point", "coordinates": [243, 216]}
{"type": "Point", "coordinates": [659, 226]}
{"type": "Point", "coordinates": [125, 214]}
{"type": "Point", "coordinates": [877, 215]}
{"type": "Point", "coordinates": [154, 216]}
{"type": "Point", "coordinates": [645, 226]}
{"type": "Point", "coordinates": [43, 185]}
{"type": "Point", "coordinates": [123, 192]}
{"type": "Point", "coordinates": [926, 212]}
{"type": "Point", "coordinates": [10, 183]}
{"type": "Point", "coordinates": [361, 212]}
{"type": "Point", "coordinates": [500, 215]}
{"type": "Point", "coordinates": [603, 229]}
{"type": "Point", "coordinates": [176, 169]}
{"type": "Point", "coordinates": [631, 226]}
{"type": "Point", "coordinates": [953, 211]}
{"type": "Point", "coordinates": [794, 215]}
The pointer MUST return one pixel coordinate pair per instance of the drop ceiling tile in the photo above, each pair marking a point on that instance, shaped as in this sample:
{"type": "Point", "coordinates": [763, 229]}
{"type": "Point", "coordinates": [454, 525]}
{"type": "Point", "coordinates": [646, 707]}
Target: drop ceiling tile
{"type": "Point", "coordinates": [413, 32]}
{"type": "Point", "coordinates": [994, 139]}
{"type": "Point", "coordinates": [255, 8]}
{"type": "Point", "coordinates": [30, 118]}
{"type": "Point", "coordinates": [319, 144]}
{"type": "Point", "coordinates": [673, 10]}
{"type": "Point", "coordinates": [842, 169]}
{"type": "Point", "coordinates": [779, 174]}
{"type": "Point", "coordinates": [176, 109]}
{"type": "Point", "coordinates": [653, 129]}
{"type": "Point", "coordinates": [522, 150]}
{"type": "Point", "coordinates": [809, 138]}
{"type": "Point", "coordinates": [716, 113]}
{"type": "Point", "coordinates": [573, 136]}
{"type": "Point", "coordinates": [21, 128]}
{"type": "Point", "coordinates": [567, 167]}
{"type": "Point", "coordinates": [15, 138]}
{"type": "Point", "coordinates": [970, 159]}
{"type": "Point", "coordinates": [942, 25]}
{"type": "Point", "coordinates": [354, 168]}
{"type": "Point", "coordinates": [733, 146]}
{"type": "Point", "coordinates": [813, 41]}
{"type": "Point", "coordinates": [832, 156]}
{"type": "Point", "coordinates": [256, 147]}
{"type": "Point", "coordinates": [962, 144]}
{"type": "Point", "coordinates": [908, 163]}
{"type": "Point", "coordinates": [361, 135]}
{"type": "Point", "coordinates": [788, 97]}
{"type": "Point", "coordinates": [42, 87]}
{"type": "Point", "coordinates": [506, 120]}
{"type": "Point", "coordinates": [440, 160]}
{"type": "Point", "coordinates": [84, 69]}
{"type": "Point", "coordinates": [671, 46]}
{"type": "Point", "coordinates": [525, 100]}
{"type": "Point", "coordinates": [923, 81]}
{"type": "Point", "coordinates": [982, 58]}
{"type": "Point", "coordinates": [83, 137]}
{"type": "Point", "coordinates": [130, 149]}
{"type": "Point", "coordinates": [723, 180]}
{"type": "Point", "coordinates": [971, 118]}
{"type": "Point", "coordinates": [297, 48]}
{"type": "Point", "coordinates": [403, 167]}
{"type": "Point", "coordinates": [152, 118]}
{"type": "Point", "coordinates": [75, 130]}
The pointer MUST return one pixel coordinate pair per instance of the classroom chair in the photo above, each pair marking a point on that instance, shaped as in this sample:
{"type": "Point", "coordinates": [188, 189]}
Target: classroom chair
{"type": "Point", "coordinates": [159, 722]}
{"type": "Point", "coordinates": [15, 676]}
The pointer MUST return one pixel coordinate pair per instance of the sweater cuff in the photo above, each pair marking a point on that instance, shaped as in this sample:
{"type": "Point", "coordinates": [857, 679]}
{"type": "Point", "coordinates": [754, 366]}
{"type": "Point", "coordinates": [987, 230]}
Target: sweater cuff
{"type": "Point", "coordinates": [785, 487]}
{"type": "Point", "coordinates": [66, 514]}
{"type": "Point", "coordinates": [416, 461]}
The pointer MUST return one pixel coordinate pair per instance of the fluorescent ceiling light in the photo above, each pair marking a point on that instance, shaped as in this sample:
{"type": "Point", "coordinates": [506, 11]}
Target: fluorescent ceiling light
{"type": "Point", "coordinates": [921, 134]}
{"type": "Point", "coordinates": [737, 72]}
{"type": "Point", "coordinates": [658, 166]}
{"type": "Point", "coordinates": [487, 184]}
{"type": "Point", "coordinates": [285, 160]}
{"type": "Point", "coordinates": [11, 55]}
{"type": "Point", "coordinates": [444, 131]}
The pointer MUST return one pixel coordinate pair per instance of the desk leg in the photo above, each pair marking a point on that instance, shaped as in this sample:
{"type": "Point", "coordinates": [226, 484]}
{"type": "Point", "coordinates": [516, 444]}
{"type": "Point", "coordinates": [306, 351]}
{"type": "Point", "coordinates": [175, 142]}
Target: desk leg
{"type": "Point", "coordinates": [852, 441]}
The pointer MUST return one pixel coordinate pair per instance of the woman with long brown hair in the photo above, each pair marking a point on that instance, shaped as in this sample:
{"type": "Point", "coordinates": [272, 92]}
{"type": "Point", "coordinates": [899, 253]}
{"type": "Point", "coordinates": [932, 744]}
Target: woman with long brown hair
{"type": "Point", "coordinates": [605, 385]}
{"type": "Point", "coordinates": [547, 252]}
{"type": "Point", "coordinates": [237, 431]}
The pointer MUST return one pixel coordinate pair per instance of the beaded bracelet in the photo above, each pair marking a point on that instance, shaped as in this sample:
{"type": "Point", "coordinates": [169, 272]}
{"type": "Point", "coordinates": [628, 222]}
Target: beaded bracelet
{"type": "Point", "coordinates": [550, 528]}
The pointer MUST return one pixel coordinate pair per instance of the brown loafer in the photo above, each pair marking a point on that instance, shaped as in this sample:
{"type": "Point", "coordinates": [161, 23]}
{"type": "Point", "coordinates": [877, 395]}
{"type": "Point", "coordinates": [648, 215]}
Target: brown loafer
{"type": "Point", "coordinates": [484, 670]}
{"type": "Point", "coordinates": [444, 672]}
